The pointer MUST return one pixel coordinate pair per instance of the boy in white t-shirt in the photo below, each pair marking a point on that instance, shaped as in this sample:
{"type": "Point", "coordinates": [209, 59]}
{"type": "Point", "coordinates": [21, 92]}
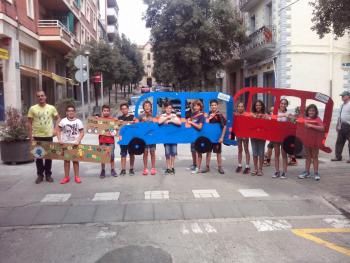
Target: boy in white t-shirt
{"type": "Point", "coordinates": [70, 130]}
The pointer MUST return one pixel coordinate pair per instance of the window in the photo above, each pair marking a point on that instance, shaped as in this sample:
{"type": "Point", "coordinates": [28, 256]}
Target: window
{"type": "Point", "coordinates": [148, 56]}
{"type": "Point", "coordinates": [77, 3]}
{"type": "Point", "coordinates": [88, 14]}
{"type": "Point", "coordinates": [82, 2]}
{"type": "Point", "coordinates": [94, 21]}
{"type": "Point", "coordinates": [252, 23]}
{"type": "Point", "coordinates": [268, 17]}
{"type": "Point", "coordinates": [30, 9]}
{"type": "Point", "coordinates": [82, 35]}
{"type": "Point", "coordinates": [27, 57]}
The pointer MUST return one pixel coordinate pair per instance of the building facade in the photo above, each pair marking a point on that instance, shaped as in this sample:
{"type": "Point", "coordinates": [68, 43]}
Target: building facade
{"type": "Point", "coordinates": [37, 34]}
{"type": "Point", "coordinates": [282, 51]}
{"type": "Point", "coordinates": [148, 62]}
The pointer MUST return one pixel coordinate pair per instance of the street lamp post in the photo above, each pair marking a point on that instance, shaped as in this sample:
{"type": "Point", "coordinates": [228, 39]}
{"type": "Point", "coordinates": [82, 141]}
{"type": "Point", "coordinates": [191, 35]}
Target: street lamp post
{"type": "Point", "coordinates": [87, 53]}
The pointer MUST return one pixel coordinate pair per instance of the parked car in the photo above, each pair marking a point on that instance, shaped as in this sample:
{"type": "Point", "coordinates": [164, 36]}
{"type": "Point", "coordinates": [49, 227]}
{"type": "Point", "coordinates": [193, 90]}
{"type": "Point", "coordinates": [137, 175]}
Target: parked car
{"type": "Point", "coordinates": [145, 89]}
{"type": "Point", "coordinates": [132, 102]}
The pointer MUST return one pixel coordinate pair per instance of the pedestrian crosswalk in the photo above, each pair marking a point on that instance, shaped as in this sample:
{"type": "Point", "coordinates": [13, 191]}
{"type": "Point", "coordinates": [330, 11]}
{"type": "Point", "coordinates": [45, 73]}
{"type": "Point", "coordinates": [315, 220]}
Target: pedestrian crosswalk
{"type": "Point", "coordinates": [155, 195]}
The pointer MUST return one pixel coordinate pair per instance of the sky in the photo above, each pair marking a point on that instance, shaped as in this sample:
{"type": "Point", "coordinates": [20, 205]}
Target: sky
{"type": "Point", "coordinates": [130, 21]}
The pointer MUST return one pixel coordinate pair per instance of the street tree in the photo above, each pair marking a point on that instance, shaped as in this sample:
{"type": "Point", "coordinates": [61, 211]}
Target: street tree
{"type": "Point", "coordinates": [192, 38]}
{"type": "Point", "coordinates": [331, 16]}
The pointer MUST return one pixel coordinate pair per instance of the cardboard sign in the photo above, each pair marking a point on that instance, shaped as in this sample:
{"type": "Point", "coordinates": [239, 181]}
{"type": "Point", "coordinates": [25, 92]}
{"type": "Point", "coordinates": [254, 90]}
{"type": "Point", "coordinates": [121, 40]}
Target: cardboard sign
{"type": "Point", "coordinates": [103, 126]}
{"type": "Point", "coordinates": [71, 152]}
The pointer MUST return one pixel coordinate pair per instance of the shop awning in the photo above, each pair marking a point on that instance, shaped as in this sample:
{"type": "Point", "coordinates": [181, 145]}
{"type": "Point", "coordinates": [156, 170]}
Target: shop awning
{"type": "Point", "coordinates": [57, 78]}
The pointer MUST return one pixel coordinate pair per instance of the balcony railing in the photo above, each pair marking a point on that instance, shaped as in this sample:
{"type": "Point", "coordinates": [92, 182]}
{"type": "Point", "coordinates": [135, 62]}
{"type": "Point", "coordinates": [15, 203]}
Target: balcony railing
{"type": "Point", "coordinates": [246, 5]}
{"type": "Point", "coordinates": [263, 38]}
{"type": "Point", "coordinates": [112, 29]}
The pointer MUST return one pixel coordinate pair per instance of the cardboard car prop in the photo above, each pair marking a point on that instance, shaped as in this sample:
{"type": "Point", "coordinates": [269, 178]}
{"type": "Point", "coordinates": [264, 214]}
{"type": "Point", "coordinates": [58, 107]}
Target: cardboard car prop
{"type": "Point", "coordinates": [71, 152]}
{"type": "Point", "coordinates": [139, 134]}
{"type": "Point", "coordinates": [292, 134]}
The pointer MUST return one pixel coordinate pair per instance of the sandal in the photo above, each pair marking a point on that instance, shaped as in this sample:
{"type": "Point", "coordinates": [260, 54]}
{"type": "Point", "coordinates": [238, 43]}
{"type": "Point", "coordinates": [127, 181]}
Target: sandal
{"type": "Point", "coordinates": [253, 173]}
{"type": "Point", "coordinates": [260, 173]}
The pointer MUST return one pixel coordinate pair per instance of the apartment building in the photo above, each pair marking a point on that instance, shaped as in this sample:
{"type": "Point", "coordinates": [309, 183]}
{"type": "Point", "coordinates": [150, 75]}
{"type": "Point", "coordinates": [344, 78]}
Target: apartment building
{"type": "Point", "coordinates": [282, 51]}
{"type": "Point", "coordinates": [35, 35]}
{"type": "Point", "coordinates": [109, 18]}
{"type": "Point", "coordinates": [148, 62]}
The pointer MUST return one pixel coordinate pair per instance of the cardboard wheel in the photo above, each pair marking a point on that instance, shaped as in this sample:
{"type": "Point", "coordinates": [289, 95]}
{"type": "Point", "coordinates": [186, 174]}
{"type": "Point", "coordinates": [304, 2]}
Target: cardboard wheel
{"type": "Point", "coordinates": [292, 145]}
{"type": "Point", "coordinates": [203, 145]}
{"type": "Point", "coordinates": [136, 146]}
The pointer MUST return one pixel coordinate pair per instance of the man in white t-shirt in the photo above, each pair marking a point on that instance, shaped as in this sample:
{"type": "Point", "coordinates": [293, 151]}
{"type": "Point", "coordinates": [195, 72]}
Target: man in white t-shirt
{"type": "Point", "coordinates": [71, 130]}
{"type": "Point", "coordinates": [343, 127]}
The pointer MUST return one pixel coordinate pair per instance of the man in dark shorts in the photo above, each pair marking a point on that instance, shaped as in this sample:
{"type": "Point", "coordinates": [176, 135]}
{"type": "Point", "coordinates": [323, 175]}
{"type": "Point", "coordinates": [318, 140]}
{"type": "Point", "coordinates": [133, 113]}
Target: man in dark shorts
{"type": "Point", "coordinates": [127, 118]}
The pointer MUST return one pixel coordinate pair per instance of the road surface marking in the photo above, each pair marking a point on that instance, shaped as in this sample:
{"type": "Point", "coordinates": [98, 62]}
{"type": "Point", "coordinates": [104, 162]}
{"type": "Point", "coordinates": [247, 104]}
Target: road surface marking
{"type": "Point", "coordinates": [103, 234]}
{"type": "Point", "coordinates": [184, 230]}
{"type": "Point", "coordinates": [253, 192]}
{"type": "Point", "coordinates": [209, 228]}
{"type": "Point", "coordinates": [156, 195]}
{"type": "Point", "coordinates": [196, 228]}
{"type": "Point", "coordinates": [205, 193]}
{"type": "Point", "coordinates": [109, 196]}
{"type": "Point", "coordinates": [271, 225]}
{"type": "Point", "coordinates": [55, 198]}
{"type": "Point", "coordinates": [338, 222]}
{"type": "Point", "coordinates": [307, 234]}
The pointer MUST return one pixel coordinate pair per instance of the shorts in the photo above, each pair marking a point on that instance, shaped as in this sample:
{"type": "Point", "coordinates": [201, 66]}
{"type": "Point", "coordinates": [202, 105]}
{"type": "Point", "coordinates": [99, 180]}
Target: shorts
{"type": "Point", "coordinates": [271, 145]}
{"type": "Point", "coordinates": [193, 149]}
{"type": "Point", "coordinates": [170, 150]}
{"type": "Point", "coordinates": [242, 140]}
{"type": "Point", "coordinates": [258, 147]}
{"type": "Point", "coordinates": [124, 150]}
{"type": "Point", "coordinates": [217, 148]}
{"type": "Point", "coordinates": [113, 148]}
{"type": "Point", "coordinates": [151, 147]}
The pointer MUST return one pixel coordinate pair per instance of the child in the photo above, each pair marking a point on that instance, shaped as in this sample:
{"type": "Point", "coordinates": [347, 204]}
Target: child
{"type": "Point", "coordinates": [147, 117]}
{"type": "Point", "coordinates": [312, 121]}
{"type": "Point", "coordinates": [70, 130]}
{"type": "Point", "coordinates": [168, 118]}
{"type": "Point", "coordinates": [242, 143]}
{"type": "Point", "coordinates": [197, 121]}
{"type": "Point", "coordinates": [215, 116]}
{"type": "Point", "coordinates": [126, 117]}
{"type": "Point", "coordinates": [258, 146]}
{"type": "Point", "coordinates": [282, 116]}
{"type": "Point", "coordinates": [107, 141]}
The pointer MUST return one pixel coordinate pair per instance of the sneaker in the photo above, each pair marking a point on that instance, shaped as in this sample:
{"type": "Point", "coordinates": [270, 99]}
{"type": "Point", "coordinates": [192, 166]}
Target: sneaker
{"type": "Point", "coordinates": [167, 171]}
{"type": "Point", "coordinates": [238, 169]}
{"type": "Point", "coordinates": [145, 172]}
{"type": "Point", "coordinates": [77, 179]}
{"type": "Point", "coordinates": [49, 179]}
{"type": "Point", "coordinates": [221, 171]}
{"type": "Point", "coordinates": [276, 175]}
{"type": "Point", "coordinates": [122, 172]}
{"type": "Point", "coordinates": [304, 175]}
{"type": "Point", "coordinates": [131, 172]}
{"type": "Point", "coordinates": [246, 170]}
{"type": "Point", "coordinates": [103, 174]}
{"type": "Point", "coordinates": [192, 167]}
{"type": "Point", "coordinates": [336, 159]}
{"type": "Point", "coordinates": [39, 179]}
{"type": "Point", "coordinates": [293, 162]}
{"type": "Point", "coordinates": [113, 173]}
{"type": "Point", "coordinates": [173, 170]}
{"type": "Point", "coordinates": [195, 171]}
{"type": "Point", "coordinates": [317, 177]}
{"type": "Point", "coordinates": [153, 171]}
{"type": "Point", "coordinates": [65, 180]}
{"type": "Point", "coordinates": [205, 170]}
{"type": "Point", "coordinates": [283, 175]}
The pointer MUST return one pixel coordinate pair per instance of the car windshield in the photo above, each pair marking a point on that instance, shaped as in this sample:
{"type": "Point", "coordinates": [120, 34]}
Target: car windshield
{"type": "Point", "coordinates": [133, 100]}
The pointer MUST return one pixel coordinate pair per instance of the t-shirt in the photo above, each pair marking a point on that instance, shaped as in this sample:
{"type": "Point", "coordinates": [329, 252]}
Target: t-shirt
{"type": "Point", "coordinates": [198, 118]}
{"type": "Point", "coordinates": [316, 121]}
{"type": "Point", "coordinates": [281, 118]}
{"type": "Point", "coordinates": [145, 118]}
{"type": "Point", "coordinates": [70, 129]}
{"type": "Point", "coordinates": [42, 119]}
{"type": "Point", "coordinates": [126, 118]}
{"type": "Point", "coordinates": [345, 113]}
{"type": "Point", "coordinates": [217, 117]}
{"type": "Point", "coordinates": [104, 138]}
{"type": "Point", "coordinates": [173, 116]}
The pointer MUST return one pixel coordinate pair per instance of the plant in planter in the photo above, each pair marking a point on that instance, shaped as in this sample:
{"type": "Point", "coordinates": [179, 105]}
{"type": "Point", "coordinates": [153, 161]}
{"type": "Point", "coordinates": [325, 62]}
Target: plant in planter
{"type": "Point", "coordinates": [15, 144]}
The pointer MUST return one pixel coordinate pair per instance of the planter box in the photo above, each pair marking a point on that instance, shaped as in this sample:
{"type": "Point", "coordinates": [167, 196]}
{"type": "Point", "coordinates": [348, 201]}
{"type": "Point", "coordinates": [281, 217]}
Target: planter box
{"type": "Point", "coordinates": [16, 152]}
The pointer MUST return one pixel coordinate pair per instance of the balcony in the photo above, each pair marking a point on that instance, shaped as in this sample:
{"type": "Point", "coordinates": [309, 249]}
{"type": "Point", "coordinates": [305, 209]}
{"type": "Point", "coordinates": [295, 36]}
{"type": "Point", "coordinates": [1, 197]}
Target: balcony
{"type": "Point", "coordinates": [112, 3]}
{"type": "Point", "coordinates": [260, 44]}
{"type": "Point", "coordinates": [112, 16]}
{"type": "Point", "coordinates": [246, 5]}
{"type": "Point", "coordinates": [54, 34]}
{"type": "Point", "coordinates": [112, 30]}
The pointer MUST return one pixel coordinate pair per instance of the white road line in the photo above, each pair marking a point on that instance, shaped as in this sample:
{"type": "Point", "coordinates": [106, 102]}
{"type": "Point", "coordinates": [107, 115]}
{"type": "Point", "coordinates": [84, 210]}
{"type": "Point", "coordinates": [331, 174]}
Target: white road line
{"type": "Point", "coordinates": [196, 228]}
{"type": "Point", "coordinates": [338, 223]}
{"type": "Point", "coordinates": [271, 225]}
{"type": "Point", "coordinates": [55, 198]}
{"type": "Point", "coordinates": [184, 230]}
{"type": "Point", "coordinates": [209, 228]}
{"type": "Point", "coordinates": [103, 234]}
{"type": "Point", "coordinates": [253, 192]}
{"type": "Point", "coordinates": [205, 193]}
{"type": "Point", "coordinates": [156, 195]}
{"type": "Point", "coordinates": [109, 196]}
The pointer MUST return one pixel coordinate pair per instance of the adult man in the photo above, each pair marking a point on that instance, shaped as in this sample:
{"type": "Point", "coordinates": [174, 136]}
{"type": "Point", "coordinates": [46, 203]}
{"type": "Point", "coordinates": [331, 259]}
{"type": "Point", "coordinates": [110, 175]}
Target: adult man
{"type": "Point", "coordinates": [41, 128]}
{"type": "Point", "coordinates": [343, 127]}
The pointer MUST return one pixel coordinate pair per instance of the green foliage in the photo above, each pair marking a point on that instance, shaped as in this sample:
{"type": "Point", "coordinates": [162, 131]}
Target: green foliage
{"type": "Point", "coordinates": [192, 38]}
{"type": "Point", "coordinates": [331, 16]}
{"type": "Point", "coordinates": [15, 128]}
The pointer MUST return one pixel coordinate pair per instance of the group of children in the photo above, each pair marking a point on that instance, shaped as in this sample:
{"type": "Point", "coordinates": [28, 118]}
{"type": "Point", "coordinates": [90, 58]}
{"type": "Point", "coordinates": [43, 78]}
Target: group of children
{"type": "Point", "coordinates": [71, 130]}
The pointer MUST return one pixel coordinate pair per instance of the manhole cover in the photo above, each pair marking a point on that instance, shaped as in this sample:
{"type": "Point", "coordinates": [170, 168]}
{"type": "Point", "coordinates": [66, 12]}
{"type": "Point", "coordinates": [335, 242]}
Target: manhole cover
{"type": "Point", "coordinates": [136, 254]}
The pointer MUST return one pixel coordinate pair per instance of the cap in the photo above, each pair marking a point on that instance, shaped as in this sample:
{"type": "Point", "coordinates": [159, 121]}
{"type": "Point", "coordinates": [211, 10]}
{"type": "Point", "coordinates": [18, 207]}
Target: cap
{"type": "Point", "coordinates": [345, 93]}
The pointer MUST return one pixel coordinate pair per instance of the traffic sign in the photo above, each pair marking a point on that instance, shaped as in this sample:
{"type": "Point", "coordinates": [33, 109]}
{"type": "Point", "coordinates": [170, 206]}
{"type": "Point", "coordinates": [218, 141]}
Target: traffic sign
{"type": "Point", "coordinates": [80, 62]}
{"type": "Point", "coordinates": [81, 75]}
